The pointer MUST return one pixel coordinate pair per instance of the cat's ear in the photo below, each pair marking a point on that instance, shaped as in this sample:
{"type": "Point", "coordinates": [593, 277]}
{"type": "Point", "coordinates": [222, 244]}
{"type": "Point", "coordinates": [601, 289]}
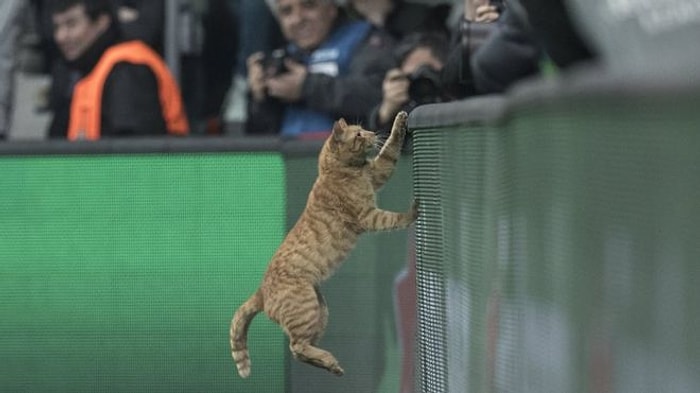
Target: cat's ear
{"type": "Point", "coordinates": [339, 127]}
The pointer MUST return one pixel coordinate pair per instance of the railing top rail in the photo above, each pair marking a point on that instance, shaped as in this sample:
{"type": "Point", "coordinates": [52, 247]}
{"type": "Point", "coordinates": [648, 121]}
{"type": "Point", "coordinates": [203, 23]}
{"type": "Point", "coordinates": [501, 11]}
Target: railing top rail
{"type": "Point", "coordinates": [582, 83]}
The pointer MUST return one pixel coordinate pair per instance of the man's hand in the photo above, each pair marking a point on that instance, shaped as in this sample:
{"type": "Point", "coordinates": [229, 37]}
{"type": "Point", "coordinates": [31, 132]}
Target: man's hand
{"type": "Point", "coordinates": [395, 94]}
{"type": "Point", "coordinates": [127, 14]}
{"type": "Point", "coordinates": [287, 86]}
{"type": "Point", "coordinates": [486, 13]}
{"type": "Point", "coordinates": [480, 11]}
{"type": "Point", "coordinates": [256, 76]}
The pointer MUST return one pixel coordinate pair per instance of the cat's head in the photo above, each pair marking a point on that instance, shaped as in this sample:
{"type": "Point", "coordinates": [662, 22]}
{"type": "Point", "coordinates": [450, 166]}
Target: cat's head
{"type": "Point", "coordinates": [351, 144]}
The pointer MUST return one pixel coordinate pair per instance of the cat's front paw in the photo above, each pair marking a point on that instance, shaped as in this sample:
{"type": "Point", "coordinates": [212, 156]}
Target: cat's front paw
{"type": "Point", "coordinates": [400, 124]}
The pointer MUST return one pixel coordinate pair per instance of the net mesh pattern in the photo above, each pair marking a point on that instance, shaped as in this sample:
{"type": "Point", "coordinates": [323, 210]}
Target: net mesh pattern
{"type": "Point", "coordinates": [557, 249]}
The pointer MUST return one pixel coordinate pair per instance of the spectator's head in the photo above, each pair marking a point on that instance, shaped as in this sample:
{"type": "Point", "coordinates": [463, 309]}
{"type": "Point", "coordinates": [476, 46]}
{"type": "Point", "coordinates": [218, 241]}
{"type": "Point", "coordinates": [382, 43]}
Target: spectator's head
{"type": "Point", "coordinates": [305, 23]}
{"type": "Point", "coordinates": [77, 24]}
{"type": "Point", "coordinates": [422, 49]}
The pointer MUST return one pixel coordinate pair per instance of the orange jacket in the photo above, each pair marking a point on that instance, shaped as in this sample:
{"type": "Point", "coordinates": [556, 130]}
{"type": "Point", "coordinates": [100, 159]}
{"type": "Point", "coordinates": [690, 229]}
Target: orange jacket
{"type": "Point", "coordinates": [86, 106]}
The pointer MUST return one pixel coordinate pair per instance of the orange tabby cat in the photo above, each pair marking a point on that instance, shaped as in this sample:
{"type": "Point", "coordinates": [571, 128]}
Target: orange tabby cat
{"type": "Point", "coordinates": [341, 206]}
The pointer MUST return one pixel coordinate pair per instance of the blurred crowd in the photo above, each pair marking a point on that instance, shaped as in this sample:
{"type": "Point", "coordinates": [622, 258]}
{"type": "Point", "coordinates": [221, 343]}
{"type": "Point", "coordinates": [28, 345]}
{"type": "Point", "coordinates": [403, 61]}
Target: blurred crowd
{"type": "Point", "coordinates": [276, 67]}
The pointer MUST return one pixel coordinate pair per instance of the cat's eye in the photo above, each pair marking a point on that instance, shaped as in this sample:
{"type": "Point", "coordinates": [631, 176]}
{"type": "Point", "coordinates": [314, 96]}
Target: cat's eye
{"type": "Point", "coordinates": [359, 134]}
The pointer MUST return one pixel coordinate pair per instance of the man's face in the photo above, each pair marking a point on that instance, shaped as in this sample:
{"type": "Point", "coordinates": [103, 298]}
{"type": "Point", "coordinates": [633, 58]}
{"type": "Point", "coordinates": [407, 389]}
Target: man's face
{"type": "Point", "coordinates": [74, 32]}
{"type": "Point", "coordinates": [306, 23]}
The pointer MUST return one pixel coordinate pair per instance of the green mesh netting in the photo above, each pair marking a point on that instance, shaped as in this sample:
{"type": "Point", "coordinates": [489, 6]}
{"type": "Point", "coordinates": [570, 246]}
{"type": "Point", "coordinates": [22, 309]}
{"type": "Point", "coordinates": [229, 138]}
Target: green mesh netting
{"type": "Point", "coordinates": [557, 247]}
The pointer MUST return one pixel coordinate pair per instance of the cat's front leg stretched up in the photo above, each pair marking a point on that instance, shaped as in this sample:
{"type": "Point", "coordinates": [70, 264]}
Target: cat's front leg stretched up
{"type": "Point", "coordinates": [384, 164]}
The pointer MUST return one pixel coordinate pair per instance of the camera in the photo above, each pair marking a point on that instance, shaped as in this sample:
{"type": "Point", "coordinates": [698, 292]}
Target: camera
{"type": "Point", "coordinates": [425, 86]}
{"type": "Point", "coordinates": [499, 4]}
{"type": "Point", "coordinates": [273, 62]}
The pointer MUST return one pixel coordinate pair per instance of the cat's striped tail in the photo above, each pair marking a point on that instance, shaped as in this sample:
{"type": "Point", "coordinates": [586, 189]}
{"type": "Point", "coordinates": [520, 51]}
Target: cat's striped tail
{"type": "Point", "coordinates": [239, 332]}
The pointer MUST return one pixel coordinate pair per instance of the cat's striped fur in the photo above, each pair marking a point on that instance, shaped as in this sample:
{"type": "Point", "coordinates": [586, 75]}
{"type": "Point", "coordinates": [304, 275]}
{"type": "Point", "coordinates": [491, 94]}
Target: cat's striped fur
{"type": "Point", "coordinates": [340, 207]}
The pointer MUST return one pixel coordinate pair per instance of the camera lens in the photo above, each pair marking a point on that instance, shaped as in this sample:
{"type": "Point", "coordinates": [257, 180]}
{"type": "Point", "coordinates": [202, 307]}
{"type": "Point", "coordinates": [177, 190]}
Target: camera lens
{"type": "Point", "coordinates": [425, 86]}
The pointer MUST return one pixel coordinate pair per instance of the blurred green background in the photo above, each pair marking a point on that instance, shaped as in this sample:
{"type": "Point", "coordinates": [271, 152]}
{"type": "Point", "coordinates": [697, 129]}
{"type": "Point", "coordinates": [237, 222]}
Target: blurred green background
{"type": "Point", "coordinates": [121, 272]}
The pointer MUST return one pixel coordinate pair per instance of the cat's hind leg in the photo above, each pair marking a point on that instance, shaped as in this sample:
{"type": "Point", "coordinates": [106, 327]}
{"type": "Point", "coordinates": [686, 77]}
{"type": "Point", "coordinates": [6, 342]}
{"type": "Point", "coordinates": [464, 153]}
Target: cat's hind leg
{"type": "Point", "coordinates": [307, 353]}
{"type": "Point", "coordinates": [304, 324]}
{"type": "Point", "coordinates": [322, 321]}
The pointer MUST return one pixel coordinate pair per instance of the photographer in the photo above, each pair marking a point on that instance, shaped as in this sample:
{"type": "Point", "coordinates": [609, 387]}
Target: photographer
{"type": "Point", "coordinates": [416, 81]}
{"type": "Point", "coordinates": [332, 67]}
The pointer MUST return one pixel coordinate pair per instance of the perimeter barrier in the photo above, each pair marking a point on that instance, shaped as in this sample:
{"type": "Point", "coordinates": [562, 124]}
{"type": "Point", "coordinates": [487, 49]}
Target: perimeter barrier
{"type": "Point", "coordinates": [557, 247]}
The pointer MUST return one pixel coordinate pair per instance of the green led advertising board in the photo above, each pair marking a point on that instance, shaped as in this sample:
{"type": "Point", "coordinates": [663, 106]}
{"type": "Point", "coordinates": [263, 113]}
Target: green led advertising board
{"type": "Point", "coordinates": [120, 272]}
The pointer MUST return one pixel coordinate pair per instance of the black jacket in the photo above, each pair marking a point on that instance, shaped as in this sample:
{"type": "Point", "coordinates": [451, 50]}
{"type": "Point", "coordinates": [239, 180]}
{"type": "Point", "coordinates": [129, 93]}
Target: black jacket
{"type": "Point", "coordinates": [507, 54]}
{"type": "Point", "coordinates": [526, 32]}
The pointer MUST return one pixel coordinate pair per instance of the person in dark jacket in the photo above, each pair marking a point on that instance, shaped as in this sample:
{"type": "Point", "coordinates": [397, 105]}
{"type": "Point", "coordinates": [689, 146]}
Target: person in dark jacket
{"type": "Point", "coordinates": [415, 80]}
{"type": "Point", "coordinates": [124, 86]}
{"type": "Point", "coordinates": [332, 67]}
{"type": "Point", "coordinates": [528, 33]}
